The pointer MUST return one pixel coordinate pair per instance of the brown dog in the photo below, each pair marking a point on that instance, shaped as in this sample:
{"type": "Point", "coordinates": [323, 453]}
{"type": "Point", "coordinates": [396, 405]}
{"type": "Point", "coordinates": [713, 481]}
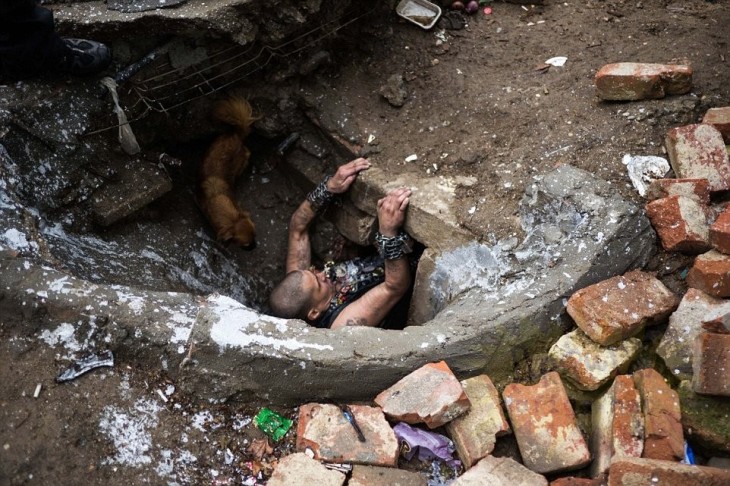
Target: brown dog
{"type": "Point", "coordinates": [225, 160]}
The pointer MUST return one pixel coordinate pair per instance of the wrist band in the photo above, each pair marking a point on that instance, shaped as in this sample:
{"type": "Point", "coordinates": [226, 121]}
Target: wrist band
{"type": "Point", "coordinates": [320, 197]}
{"type": "Point", "coordinates": [393, 247]}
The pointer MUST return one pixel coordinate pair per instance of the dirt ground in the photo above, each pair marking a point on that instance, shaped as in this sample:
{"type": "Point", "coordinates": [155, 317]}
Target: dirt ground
{"type": "Point", "coordinates": [480, 101]}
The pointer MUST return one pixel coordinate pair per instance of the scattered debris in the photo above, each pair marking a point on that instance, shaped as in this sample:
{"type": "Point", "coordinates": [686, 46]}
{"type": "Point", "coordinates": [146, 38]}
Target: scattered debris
{"type": "Point", "coordinates": [420, 12]}
{"type": "Point", "coordinates": [558, 61]}
{"type": "Point", "coordinates": [643, 169]}
{"type": "Point", "coordinates": [86, 363]}
{"type": "Point", "coordinates": [351, 418]}
{"type": "Point", "coordinates": [412, 158]}
{"type": "Point", "coordinates": [37, 391]}
{"type": "Point", "coordinates": [428, 445]}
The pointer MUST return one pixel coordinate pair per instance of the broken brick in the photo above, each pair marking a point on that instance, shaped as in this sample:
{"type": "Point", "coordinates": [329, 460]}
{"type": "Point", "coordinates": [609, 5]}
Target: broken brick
{"type": "Point", "coordinates": [663, 436]}
{"type": "Point", "coordinates": [620, 307]}
{"type": "Point", "coordinates": [499, 471]}
{"type": "Point", "coordinates": [431, 394]}
{"type": "Point", "coordinates": [632, 471]}
{"type": "Point", "coordinates": [720, 232]}
{"type": "Point", "coordinates": [475, 432]}
{"type": "Point", "coordinates": [627, 81]}
{"type": "Point", "coordinates": [720, 119]}
{"type": "Point", "coordinates": [587, 364]}
{"type": "Point", "coordinates": [299, 468]}
{"type": "Point", "coordinates": [710, 273]}
{"type": "Point", "coordinates": [618, 425]}
{"type": "Point", "coordinates": [378, 476]}
{"type": "Point", "coordinates": [697, 189]}
{"type": "Point", "coordinates": [711, 364]}
{"type": "Point", "coordinates": [719, 324]}
{"type": "Point", "coordinates": [324, 429]}
{"type": "Point", "coordinates": [682, 224]}
{"type": "Point", "coordinates": [698, 151]}
{"type": "Point", "coordinates": [545, 427]}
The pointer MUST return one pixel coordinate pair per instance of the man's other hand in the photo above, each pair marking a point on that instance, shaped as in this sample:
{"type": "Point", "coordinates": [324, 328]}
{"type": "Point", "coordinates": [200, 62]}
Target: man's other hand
{"type": "Point", "coordinates": [392, 210]}
{"type": "Point", "coordinates": [346, 175]}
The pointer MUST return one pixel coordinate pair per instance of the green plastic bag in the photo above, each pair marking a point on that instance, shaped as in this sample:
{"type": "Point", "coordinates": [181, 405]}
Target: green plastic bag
{"type": "Point", "coordinates": [273, 424]}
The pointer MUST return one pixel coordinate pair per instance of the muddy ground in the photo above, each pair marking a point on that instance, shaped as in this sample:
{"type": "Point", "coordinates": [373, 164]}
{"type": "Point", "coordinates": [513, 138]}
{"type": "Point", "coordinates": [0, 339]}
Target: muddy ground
{"type": "Point", "coordinates": [478, 101]}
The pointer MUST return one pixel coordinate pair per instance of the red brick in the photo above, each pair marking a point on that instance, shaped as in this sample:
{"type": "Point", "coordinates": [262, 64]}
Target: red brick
{"type": "Point", "coordinates": [475, 432]}
{"type": "Point", "coordinates": [720, 232]}
{"type": "Point", "coordinates": [572, 481]}
{"type": "Point", "coordinates": [301, 469]}
{"type": "Point", "coordinates": [719, 324]}
{"type": "Point", "coordinates": [711, 364]}
{"type": "Point", "coordinates": [664, 438]}
{"type": "Point", "coordinates": [697, 189]}
{"type": "Point", "coordinates": [544, 425]}
{"type": "Point", "coordinates": [499, 471]}
{"type": "Point", "coordinates": [720, 119]}
{"type": "Point", "coordinates": [649, 472]}
{"type": "Point", "coordinates": [620, 307]}
{"type": "Point", "coordinates": [625, 81]}
{"type": "Point", "coordinates": [380, 476]}
{"type": "Point", "coordinates": [710, 273]}
{"type": "Point", "coordinates": [682, 224]}
{"type": "Point", "coordinates": [431, 394]}
{"type": "Point", "coordinates": [698, 151]}
{"type": "Point", "coordinates": [324, 429]}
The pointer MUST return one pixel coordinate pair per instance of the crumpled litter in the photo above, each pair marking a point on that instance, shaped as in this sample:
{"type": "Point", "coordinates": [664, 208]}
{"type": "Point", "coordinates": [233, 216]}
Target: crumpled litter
{"type": "Point", "coordinates": [643, 169]}
{"type": "Point", "coordinates": [428, 445]}
{"type": "Point", "coordinates": [558, 61]}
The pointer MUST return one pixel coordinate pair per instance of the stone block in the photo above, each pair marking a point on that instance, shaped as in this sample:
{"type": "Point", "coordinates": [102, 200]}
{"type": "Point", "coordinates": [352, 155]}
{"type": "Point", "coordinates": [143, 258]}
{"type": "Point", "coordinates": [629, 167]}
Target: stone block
{"type": "Point", "coordinates": [381, 476]}
{"type": "Point", "coordinates": [620, 307]}
{"type": "Point", "coordinates": [720, 119]}
{"type": "Point", "coordinates": [685, 324]}
{"type": "Point", "coordinates": [499, 471]}
{"type": "Point", "coordinates": [424, 303]}
{"type": "Point", "coordinates": [354, 224]}
{"type": "Point", "coordinates": [134, 188]}
{"type": "Point", "coordinates": [710, 273]}
{"type": "Point", "coordinates": [720, 232]}
{"type": "Point", "coordinates": [711, 364]}
{"type": "Point", "coordinates": [299, 468]}
{"type": "Point", "coordinates": [475, 432]}
{"type": "Point", "coordinates": [663, 436]}
{"type": "Point", "coordinates": [697, 189]}
{"type": "Point", "coordinates": [617, 425]}
{"type": "Point", "coordinates": [587, 364]}
{"type": "Point", "coordinates": [545, 427]}
{"type": "Point", "coordinates": [705, 420]}
{"type": "Point", "coordinates": [642, 472]}
{"type": "Point", "coordinates": [682, 224]}
{"type": "Point", "coordinates": [698, 151]}
{"type": "Point", "coordinates": [430, 395]}
{"type": "Point", "coordinates": [626, 81]}
{"type": "Point", "coordinates": [324, 429]}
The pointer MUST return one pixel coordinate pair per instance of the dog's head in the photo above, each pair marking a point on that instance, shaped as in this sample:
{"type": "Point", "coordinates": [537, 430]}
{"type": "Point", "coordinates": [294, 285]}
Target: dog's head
{"type": "Point", "coordinates": [242, 232]}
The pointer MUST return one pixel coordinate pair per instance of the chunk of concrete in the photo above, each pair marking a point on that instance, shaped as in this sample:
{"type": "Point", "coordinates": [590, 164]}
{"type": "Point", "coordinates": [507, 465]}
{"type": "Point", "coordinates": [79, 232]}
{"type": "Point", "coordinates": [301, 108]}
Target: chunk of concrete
{"type": "Point", "coordinates": [663, 437]}
{"type": "Point", "coordinates": [324, 429]}
{"type": "Point", "coordinates": [720, 119]}
{"type": "Point", "coordinates": [710, 273]}
{"type": "Point", "coordinates": [697, 189]}
{"type": "Point", "coordinates": [620, 307]}
{"type": "Point", "coordinates": [628, 81]}
{"type": "Point", "coordinates": [698, 151]}
{"type": "Point", "coordinates": [299, 468]}
{"type": "Point", "coordinates": [545, 427]}
{"type": "Point", "coordinates": [705, 420]}
{"type": "Point", "coordinates": [641, 472]}
{"type": "Point", "coordinates": [376, 476]}
{"type": "Point", "coordinates": [476, 432]}
{"type": "Point", "coordinates": [682, 223]}
{"type": "Point", "coordinates": [499, 471]}
{"type": "Point", "coordinates": [617, 425]}
{"type": "Point", "coordinates": [430, 395]}
{"type": "Point", "coordinates": [587, 364]}
{"type": "Point", "coordinates": [137, 185]}
{"type": "Point", "coordinates": [423, 301]}
{"type": "Point", "coordinates": [711, 364]}
{"type": "Point", "coordinates": [684, 326]}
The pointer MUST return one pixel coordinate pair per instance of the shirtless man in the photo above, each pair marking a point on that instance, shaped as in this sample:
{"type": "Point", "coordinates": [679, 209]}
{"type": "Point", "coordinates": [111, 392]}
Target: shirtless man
{"type": "Point", "coordinates": [357, 292]}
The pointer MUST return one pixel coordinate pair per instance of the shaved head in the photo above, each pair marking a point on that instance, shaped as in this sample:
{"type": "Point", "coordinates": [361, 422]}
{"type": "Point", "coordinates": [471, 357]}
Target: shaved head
{"type": "Point", "coordinates": [288, 299]}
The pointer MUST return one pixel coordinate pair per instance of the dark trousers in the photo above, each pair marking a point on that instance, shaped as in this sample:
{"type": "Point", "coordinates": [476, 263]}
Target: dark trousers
{"type": "Point", "coordinates": [29, 44]}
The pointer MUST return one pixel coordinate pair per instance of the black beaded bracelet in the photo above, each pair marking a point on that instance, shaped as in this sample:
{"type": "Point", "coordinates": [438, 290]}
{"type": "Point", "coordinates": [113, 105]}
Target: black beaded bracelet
{"type": "Point", "coordinates": [320, 197]}
{"type": "Point", "coordinates": [393, 247]}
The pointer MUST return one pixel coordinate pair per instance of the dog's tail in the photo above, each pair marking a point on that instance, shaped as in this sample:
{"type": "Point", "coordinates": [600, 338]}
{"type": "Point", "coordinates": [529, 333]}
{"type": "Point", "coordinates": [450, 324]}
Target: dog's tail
{"type": "Point", "coordinates": [236, 112]}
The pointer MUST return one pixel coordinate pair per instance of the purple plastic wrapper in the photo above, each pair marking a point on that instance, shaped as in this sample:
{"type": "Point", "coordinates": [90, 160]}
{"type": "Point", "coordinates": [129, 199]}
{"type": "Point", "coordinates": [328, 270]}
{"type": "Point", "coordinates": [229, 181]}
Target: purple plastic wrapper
{"type": "Point", "coordinates": [428, 445]}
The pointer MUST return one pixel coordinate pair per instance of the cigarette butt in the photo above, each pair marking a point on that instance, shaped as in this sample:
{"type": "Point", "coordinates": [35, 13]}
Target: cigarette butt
{"type": "Point", "coordinates": [37, 391]}
{"type": "Point", "coordinates": [162, 395]}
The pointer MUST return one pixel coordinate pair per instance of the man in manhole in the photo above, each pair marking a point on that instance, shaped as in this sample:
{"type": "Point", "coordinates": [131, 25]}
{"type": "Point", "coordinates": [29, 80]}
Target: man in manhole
{"type": "Point", "coordinates": [359, 292]}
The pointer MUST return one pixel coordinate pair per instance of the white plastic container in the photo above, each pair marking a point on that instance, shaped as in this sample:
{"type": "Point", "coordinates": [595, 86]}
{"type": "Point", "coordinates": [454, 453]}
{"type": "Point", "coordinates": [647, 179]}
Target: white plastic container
{"type": "Point", "coordinates": [421, 12]}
